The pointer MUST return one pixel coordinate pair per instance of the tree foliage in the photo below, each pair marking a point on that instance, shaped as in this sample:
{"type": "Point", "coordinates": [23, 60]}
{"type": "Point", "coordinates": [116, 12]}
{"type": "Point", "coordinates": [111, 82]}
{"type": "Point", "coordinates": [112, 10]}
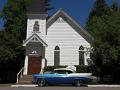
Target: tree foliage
{"type": "Point", "coordinates": [100, 8]}
{"type": "Point", "coordinates": [48, 5]}
{"type": "Point", "coordinates": [106, 32]}
{"type": "Point", "coordinates": [14, 15]}
{"type": "Point", "coordinates": [11, 56]}
{"type": "Point", "coordinates": [114, 6]}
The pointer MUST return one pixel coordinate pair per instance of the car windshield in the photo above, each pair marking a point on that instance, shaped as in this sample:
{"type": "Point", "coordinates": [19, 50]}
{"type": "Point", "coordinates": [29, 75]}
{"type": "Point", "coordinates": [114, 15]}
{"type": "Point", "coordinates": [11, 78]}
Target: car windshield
{"type": "Point", "coordinates": [48, 72]}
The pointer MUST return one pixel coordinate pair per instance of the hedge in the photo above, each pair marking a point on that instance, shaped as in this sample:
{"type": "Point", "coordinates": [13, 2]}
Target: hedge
{"type": "Point", "coordinates": [85, 69]}
{"type": "Point", "coordinates": [50, 68]}
{"type": "Point", "coordinates": [79, 69]}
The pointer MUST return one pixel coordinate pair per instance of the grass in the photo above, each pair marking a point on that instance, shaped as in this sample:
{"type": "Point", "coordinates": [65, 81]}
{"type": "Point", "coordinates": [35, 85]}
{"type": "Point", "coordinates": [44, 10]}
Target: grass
{"type": "Point", "coordinates": [5, 85]}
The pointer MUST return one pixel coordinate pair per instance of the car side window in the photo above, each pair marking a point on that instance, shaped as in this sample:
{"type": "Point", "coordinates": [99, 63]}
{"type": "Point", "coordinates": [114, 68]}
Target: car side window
{"type": "Point", "coordinates": [62, 71]}
{"type": "Point", "coordinates": [69, 72]}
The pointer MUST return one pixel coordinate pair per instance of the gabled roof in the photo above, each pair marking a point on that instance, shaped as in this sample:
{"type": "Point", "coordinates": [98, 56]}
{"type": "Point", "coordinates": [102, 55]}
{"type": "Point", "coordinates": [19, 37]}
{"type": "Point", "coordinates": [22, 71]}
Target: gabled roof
{"type": "Point", "coordinates": [72, 22]}
{"type": "Point", "coordinates": [37, 7]}
{"type": "Point", "coordinates": [31, 37]}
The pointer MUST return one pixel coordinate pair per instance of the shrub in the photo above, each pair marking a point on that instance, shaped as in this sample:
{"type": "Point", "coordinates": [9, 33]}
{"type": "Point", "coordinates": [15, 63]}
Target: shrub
{"type": "Point", "coordinates": [86, 69]}
{"type": "Point", "coordinates": [81, 68]}
{"type": "Point", "coordinates": [50, 68]}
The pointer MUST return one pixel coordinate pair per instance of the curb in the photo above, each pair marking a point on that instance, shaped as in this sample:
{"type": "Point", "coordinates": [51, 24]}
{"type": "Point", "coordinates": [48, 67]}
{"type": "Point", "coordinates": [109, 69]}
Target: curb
{"type": "Point", "coordinates": [103, 85]}
{"type": "Point", "coordinates": [61, 86]}
{"type": "Point", "coordinates": [24, 85]}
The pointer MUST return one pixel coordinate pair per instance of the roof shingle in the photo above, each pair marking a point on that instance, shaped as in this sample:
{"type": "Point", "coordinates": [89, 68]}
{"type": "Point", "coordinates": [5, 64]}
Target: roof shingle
{"type": "Point", "coordinates": [37, 7]}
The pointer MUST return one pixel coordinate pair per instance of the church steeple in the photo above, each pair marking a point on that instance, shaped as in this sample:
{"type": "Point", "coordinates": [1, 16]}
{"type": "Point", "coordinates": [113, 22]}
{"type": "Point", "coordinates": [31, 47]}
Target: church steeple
{"type": "Point", "coordinates": [37, 7]}
{"type": "Point", "coordinates": [37, 19]}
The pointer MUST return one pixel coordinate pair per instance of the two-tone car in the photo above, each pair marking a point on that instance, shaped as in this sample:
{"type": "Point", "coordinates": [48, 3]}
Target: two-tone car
{"type": "Point", "coordinates": [62, 76]}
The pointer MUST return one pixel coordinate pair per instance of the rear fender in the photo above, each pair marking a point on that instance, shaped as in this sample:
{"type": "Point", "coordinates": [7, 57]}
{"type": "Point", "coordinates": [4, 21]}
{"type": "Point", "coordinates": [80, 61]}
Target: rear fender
{"type": "Point", "coordinates": [80, 79]}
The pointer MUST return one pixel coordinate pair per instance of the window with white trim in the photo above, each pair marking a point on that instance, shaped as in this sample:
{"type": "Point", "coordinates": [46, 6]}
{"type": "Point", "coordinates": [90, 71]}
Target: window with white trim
{"type": "Point", "coordinates": [81, 55]}
{"type": "Point", "coordinates": [57, 56]}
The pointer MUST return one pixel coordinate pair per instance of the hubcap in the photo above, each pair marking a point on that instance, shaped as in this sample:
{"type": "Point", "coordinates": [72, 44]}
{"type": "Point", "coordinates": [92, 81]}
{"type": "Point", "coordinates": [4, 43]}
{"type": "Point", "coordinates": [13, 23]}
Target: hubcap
{"type": "Point", "coordinates": [41, 83]}
{"type": "Point", "coordinates": [78, 83]}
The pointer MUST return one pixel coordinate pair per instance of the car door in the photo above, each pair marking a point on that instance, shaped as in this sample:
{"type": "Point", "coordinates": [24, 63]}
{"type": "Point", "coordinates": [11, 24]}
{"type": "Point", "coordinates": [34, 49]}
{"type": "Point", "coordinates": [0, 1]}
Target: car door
{"type": "Point", "coordinates": [67, 79]}
{"type": "Point", "coordinates": [56, 78]}
{"type": "Point", "coordinates": [61, 79]}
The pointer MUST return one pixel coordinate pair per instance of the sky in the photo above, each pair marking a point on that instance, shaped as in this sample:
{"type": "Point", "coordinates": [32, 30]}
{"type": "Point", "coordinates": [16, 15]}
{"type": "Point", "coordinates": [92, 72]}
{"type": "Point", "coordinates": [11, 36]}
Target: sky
{"type": "Point", "coordinates": [77, 9]}
{"type": "Point", "coordinates": [2, 3]}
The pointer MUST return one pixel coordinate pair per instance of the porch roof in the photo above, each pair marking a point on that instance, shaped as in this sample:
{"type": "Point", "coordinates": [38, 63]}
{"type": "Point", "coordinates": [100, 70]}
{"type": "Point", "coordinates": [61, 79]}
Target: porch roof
{"type": "Point", "coordinates": [34, 36]}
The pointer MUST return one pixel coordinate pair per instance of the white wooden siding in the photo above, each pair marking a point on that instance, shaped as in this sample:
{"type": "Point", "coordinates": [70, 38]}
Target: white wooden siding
{"type": "Point", "coordinates": [42, 28]}
{"type": "Point", "coordinates": [69, 41]}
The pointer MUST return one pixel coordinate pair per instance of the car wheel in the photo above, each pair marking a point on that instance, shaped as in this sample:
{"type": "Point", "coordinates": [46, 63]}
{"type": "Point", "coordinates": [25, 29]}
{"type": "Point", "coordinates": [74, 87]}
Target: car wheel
{"type": "Point", "coordinates": [41, 83]}
{"type": "Point", "coordinates": [78, 83]}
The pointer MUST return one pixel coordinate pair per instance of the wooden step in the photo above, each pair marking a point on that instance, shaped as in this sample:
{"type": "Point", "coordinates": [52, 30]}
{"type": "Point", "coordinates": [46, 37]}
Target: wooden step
{"type": "Point", "coordinates": [27, 76]}
{"type": "Point", "coordinates": [25, 82]}
{"type": "Point", "coordinates": [26, 79]}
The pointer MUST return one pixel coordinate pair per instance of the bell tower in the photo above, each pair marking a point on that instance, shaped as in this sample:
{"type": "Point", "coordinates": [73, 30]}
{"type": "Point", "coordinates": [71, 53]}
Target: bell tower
{"type": "Point", "coordinates": [35, 42]}
{"type": "Point", "coordinates": [36, 22]}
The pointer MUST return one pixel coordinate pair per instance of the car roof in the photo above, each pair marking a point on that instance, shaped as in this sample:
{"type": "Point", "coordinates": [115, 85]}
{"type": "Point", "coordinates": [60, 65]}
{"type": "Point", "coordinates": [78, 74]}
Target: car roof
{"type": "Point", "coordinates": [68, 69]}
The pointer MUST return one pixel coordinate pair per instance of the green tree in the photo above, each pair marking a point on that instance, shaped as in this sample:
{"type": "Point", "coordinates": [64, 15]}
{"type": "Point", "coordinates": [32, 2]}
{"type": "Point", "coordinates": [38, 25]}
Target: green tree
{"type": "Point", "coordinates": [100, 8]}
{"type": "Point", "coordinates": [106, 46]}
{"type": "Point", "coordinates": [11, 56]}
{"type": "Point", "coordinates": [114, 6]}
{"type": "Point", "coordinates": [14, 15]}
{"type": "Point", "coordinates": [48, 5]}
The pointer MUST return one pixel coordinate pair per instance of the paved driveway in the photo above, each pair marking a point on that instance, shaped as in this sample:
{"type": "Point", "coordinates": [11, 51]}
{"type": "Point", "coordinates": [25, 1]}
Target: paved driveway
{"type": "Point", "coordinates": [59, 88]}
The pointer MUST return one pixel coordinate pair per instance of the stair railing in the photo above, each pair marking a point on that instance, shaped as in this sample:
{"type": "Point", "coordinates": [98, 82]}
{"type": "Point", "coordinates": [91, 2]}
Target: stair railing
{"type": "Point", "coordinates": [20, 74]}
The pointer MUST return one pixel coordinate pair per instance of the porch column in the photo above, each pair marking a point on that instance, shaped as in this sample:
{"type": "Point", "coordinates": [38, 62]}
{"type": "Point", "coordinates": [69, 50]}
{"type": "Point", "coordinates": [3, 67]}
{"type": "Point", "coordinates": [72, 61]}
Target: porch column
{"type": "Point", "coordinates": [43, 65]}
{"type": "Point", "coordinates": [25, 65]}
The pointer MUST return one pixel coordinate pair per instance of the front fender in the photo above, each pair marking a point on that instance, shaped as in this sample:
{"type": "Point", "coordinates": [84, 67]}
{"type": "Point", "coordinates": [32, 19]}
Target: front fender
{"type": "Point", "coordinates": [40, 78]}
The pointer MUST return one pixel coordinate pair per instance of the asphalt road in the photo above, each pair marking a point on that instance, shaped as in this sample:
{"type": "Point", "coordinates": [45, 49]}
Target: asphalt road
{"type": "Point", "coordinates": [59, 88]}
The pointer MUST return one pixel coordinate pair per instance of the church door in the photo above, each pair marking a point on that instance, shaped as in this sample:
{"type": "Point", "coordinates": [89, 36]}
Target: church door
{"type": "Point", "coordinates": [34, 65]}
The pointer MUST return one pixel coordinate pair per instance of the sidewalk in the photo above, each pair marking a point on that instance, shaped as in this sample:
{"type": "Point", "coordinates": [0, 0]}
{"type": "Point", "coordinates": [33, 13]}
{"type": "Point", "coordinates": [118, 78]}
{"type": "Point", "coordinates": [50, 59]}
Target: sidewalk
{"type": "Point", "coordinates": [24, 85]}
{"type": "Point", "coordinates": [102, 85]}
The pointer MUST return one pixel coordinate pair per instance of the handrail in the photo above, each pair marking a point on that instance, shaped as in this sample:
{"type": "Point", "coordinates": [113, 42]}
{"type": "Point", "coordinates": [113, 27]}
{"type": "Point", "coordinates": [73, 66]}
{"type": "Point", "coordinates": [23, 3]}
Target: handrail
{"type": "Point", "coordinates": [19, 73]}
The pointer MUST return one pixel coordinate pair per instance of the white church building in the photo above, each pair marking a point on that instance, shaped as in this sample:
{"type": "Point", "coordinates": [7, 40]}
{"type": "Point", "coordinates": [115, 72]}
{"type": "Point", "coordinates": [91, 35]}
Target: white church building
{"type": "Point", "coordinates": [58, 40]}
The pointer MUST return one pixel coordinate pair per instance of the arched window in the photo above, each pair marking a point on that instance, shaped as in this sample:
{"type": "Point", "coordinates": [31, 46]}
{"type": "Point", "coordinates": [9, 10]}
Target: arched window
{"type": "Point", "coordinates": [81, 55]}
{"type": "Point", "coordinates": [36, 26]}
{"type": "Point", "coordinates": [56, 56]}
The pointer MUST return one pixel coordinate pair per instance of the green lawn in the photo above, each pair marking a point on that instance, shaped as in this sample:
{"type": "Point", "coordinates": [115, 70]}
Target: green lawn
{"type": "Point", "coordinates": [5, 85]}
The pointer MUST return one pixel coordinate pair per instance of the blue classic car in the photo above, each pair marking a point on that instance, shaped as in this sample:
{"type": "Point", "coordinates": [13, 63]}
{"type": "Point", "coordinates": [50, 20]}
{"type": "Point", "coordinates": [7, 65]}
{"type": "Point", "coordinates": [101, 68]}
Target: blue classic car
{"type": "Point", "coordinates": [62, 76]}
